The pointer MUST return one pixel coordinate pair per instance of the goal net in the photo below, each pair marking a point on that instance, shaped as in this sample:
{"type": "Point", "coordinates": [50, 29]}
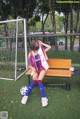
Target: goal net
{"type": "Point", "coordinates": [13, 49]}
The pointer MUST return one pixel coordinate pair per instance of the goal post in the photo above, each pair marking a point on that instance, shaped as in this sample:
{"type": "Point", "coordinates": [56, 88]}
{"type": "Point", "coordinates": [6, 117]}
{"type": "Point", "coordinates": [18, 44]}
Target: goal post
{"type": "Point", "coordinates": [13, 49]}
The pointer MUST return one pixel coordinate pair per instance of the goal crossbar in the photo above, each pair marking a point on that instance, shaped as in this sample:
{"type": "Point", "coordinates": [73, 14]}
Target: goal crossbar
{"type": "Point", "coordinates": [14, 20]}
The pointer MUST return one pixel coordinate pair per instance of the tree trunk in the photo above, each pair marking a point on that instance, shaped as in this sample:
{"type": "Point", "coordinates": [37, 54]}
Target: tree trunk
{"type": "Point", "coordinates": [71, 28]}
{"type": "Point", "coordinates": [79, 40]}
{"type": "Point", "coordinates": [52, 13]}
{"type": "Point", "coordinates": [25, 15]}
{"type": "Point", "coordinates": [77, 23]}
{"type": "Point", "coordinates": [43, 22]}
{"type": "Point", "coordinates": [66, 29]}
{"type": "Point", "coordinates": [42, 29]}
{"type": "Point", "coordinates": [79, 44]}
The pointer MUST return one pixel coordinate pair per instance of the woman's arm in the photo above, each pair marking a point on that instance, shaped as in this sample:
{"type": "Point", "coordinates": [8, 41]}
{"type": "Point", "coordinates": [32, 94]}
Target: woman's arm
{"type": "Point", "coordinates": [48, 47]}
{"type": "Point", "coordinates": [30, 65]}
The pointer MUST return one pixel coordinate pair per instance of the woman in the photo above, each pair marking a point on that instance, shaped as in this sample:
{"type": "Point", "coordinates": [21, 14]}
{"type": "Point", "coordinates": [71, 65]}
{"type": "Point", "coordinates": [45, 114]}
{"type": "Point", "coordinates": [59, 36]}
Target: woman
{"type": "Point", "coordinates": [38, 63]}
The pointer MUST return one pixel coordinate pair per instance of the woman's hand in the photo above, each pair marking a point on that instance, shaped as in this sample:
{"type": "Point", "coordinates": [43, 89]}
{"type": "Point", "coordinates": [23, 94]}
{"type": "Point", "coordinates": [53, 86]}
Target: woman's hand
{"type": "Point", "coordinates": [48, 47]}
{"type": "Point", "coordinates": [40, 42]}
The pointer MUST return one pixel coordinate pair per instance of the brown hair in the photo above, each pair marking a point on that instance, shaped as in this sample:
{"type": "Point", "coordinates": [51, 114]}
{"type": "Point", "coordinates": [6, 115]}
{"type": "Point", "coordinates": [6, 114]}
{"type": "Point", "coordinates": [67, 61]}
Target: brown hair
{"type": "Point", "coordinates": [33, 44]}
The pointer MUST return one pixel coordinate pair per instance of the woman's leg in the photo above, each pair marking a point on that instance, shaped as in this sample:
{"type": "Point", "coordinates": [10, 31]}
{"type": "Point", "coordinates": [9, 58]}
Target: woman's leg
{"type": "Point", "coordinates": [44, 100]}
{"type": "Point", "coordinates": [40, 84]}
{"type": "Point", "coordinates": [31, 86]}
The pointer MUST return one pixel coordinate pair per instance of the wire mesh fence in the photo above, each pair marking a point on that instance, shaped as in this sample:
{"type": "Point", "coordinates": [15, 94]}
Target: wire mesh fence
{"type": "Point", "coordinates": [12, 49]}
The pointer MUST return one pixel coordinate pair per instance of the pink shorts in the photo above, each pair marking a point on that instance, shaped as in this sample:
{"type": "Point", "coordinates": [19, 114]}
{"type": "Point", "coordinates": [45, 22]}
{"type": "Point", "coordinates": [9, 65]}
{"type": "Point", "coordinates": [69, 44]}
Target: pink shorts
{"type": "Point", "coordinates": [38, 71]}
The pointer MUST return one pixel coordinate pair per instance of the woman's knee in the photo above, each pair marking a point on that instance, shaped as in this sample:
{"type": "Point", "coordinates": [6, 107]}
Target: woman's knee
{"type": "Point", "coordinates": [35, 76]}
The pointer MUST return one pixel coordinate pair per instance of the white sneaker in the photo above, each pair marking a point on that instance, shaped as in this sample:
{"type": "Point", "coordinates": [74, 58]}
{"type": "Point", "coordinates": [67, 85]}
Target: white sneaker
{"type": "Point", "coordinates": [44, 102]}
{"type": "Point", "coordinates": [24, 100]}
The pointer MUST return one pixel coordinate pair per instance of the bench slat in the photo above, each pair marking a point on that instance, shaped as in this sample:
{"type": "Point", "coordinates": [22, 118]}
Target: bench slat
{"type": "Point", "coordinates": [59, 63]}
{"type": "Point", "coordinates": [58, 73]}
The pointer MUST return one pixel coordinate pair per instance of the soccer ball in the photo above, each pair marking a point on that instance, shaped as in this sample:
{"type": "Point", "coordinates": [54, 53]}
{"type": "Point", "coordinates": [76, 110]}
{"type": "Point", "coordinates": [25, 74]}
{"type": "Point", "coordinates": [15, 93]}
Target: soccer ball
{"type": "Point", "coordinates": [23, 90]}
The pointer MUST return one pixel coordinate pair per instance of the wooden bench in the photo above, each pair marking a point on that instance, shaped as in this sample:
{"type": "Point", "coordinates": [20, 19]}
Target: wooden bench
{"type": "Point", "coordinates": [57, 68]}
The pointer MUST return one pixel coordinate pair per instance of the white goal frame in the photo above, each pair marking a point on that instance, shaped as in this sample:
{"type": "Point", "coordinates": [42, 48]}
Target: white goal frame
{"type": "Point", "coordinates": [16, 51]}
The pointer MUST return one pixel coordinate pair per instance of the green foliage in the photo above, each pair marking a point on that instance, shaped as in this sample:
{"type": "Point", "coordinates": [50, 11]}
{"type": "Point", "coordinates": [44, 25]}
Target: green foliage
{"type": "Point", "coordinates": [37, 18]}
{"type": "Point", "coordinates": [59, 23]}
{"type": "Point", "coordinates": [44, 6]}
{"type": "Point", "coordinates": [7, 56]}
{"type": "Point", "coordinates": [5, 9]}
{"type": "Point", "coordinates": [32, 22]}
{"type": "Point", "coordinates": [74, 56]}
{"type": "Point", "coordinates": [37, 27]}
{"type": "Point", "coordinates": [48, 26]}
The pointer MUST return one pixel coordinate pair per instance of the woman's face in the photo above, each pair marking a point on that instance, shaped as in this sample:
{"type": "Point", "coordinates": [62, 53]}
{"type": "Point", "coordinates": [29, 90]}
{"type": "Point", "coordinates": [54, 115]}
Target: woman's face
{"type": "Point", "coordinates": [34, 45]}
{"type": "Point", "coordinates": [37, 46]}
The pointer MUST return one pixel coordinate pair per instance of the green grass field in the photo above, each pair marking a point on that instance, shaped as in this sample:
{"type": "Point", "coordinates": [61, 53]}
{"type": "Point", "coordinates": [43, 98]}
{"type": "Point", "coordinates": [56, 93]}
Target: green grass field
{"type": "Point", "coordinates": [62, 104]}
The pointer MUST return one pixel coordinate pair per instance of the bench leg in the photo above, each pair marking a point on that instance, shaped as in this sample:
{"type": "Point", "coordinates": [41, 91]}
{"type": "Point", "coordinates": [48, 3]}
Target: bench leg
{"type": "Point", "coordinates": [29, 80]}
{"type": "Point", "coordinates": [68, 84]}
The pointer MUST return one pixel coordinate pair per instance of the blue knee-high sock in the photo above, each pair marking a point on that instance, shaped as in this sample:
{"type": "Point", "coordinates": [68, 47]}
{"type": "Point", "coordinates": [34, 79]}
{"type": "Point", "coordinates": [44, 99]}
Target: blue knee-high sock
{"type": "Point", "coordinates": [41, 86]}
{"type": "Point", "coordinates": [31, 86]}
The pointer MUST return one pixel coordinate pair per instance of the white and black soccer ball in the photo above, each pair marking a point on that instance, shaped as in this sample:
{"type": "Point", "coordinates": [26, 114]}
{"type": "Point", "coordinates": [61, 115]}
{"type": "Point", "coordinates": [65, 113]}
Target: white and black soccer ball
{"type": "Point", "coordinates": [23, 90]}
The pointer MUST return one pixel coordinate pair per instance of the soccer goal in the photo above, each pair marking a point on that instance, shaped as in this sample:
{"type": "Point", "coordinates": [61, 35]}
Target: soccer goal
{"type": "Point", "coordinates": [13, 49]}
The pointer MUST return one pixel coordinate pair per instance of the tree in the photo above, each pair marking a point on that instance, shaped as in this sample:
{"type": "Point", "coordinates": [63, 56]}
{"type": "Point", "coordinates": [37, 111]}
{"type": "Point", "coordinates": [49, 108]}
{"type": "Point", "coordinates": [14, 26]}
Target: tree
{"type": "Point", "coordinates": [5, 9]}
{"type": "Point", "coordinates": [71, 28]}
{"type": "Point", "coordinates": [65, 9]}
{"type": "Point", "coordinates": [44, 12]}
{"type": "Point", "coordinates": [59, 22]}
{"type": "Point", "coordinates": [52, 13]}
{"type": "Point", "coordinates": [23, 8]}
